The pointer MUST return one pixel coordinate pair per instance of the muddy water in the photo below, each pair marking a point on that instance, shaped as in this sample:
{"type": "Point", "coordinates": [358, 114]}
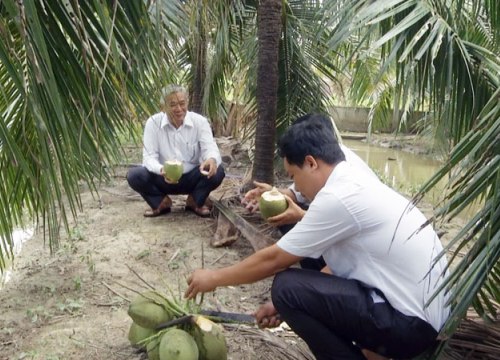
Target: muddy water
{"type": "Point", "coordinates": [403, 171]}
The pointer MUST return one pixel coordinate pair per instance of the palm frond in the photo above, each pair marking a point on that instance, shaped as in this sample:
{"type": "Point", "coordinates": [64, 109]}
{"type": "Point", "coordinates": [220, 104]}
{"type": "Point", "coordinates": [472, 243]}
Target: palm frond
{"type": "Point", "coordinates": [73, 74]}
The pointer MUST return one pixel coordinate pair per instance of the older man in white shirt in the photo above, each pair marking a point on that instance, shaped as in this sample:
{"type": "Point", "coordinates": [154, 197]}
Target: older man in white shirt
{"type": "Point", "coordinates": [177, 134]}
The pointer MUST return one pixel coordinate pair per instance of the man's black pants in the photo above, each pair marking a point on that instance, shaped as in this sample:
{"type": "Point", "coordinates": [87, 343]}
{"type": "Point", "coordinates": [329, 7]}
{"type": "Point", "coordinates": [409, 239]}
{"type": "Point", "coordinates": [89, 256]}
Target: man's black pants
{"type": "Point", "coordinates": [337, 318]}
{"type": "Point", "coordinates": [153, 187]}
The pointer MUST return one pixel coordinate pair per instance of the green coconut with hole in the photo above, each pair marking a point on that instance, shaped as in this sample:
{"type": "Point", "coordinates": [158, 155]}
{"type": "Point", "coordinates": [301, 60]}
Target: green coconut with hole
{"type": "Point", "coordinates": [177, 344]}
{"type": "Point", "coordinates": [173, 170]}
{"type": "Point", "coordinates": [272, 203]}
{"type": "Point", "coordinates": [209, 338]}
{"type": "Point", "coordinates": [149, 309]}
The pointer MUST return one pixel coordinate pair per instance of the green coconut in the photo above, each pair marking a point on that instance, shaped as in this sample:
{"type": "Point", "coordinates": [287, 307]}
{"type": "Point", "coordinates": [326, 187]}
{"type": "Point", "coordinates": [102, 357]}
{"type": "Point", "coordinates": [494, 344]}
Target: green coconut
{"type": "Point", "coordinates": [177, 344]}
{"type": "Point", "coordinates": [153, 349]}
{"type": "Point", "coordinates": [209, 338]}
{"type": "Point", "coordinates": [272, 203]}
{"type": "Point", "coordinates": [149, 310]}
{"type": "Point", "coordinates": [137, 333]}
{"type": "Point", "coordinates": [173, 170]}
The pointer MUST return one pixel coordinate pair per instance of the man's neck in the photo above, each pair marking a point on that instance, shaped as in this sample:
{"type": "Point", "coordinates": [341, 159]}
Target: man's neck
{"type": "Point", "coordinates": [326, 169]}
{"type": "Point", "coordinates": [175, 124]}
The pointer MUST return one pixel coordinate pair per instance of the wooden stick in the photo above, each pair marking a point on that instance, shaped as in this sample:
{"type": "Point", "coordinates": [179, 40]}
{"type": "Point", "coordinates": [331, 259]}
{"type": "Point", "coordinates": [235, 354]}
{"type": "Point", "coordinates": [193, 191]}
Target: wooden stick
{"type": "Point", "coordinates": [220, 257]}
{"type": "Point", "coordinates": [140, 277]}
{"type": "Point", "coordinates": [173, 256]}
{"type": "Point", "coordinates": [115, 292]}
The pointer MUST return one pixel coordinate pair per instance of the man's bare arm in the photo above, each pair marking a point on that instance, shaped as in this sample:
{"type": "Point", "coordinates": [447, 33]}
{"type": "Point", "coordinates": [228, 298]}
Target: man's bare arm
{"type": "Point", "coordinates": [260, 265]}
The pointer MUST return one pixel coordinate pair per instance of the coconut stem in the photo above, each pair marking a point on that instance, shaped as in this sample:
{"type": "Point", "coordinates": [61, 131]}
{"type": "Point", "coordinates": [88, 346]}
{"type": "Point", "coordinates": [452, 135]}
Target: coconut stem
{"type": "Point", "coordinates": [178, 321]}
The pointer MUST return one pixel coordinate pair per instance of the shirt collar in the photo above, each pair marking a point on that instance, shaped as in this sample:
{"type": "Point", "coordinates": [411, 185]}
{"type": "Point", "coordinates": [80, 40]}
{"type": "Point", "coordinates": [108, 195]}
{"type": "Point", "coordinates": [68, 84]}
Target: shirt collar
{"type": "Point", "coordinates": [338, 170]}
{"type": "Point", "coordinates": [187, 120]}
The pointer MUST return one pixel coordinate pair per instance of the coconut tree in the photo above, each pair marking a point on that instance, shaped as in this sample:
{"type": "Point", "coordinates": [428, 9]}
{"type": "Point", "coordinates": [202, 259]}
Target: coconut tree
{"type": "Point", "coordinates": [443, 57]}
{"type": "Point", "coordinates": [73, 75]}
{"type": "Point", "coordinates": [196, 49]}
{"type": "Point", "coordinates": [231, 40]}
{"type": "Point", "coordinates": [208, 56]}
{"type": "Point", "coordinates": [301, 71]}
{"type": "Point", "coordinates": [269, 32]}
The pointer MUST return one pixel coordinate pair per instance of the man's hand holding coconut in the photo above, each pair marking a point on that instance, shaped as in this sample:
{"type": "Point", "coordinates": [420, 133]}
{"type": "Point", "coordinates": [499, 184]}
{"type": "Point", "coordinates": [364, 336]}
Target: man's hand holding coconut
{"type": "Point", "coordinates": [291, 215]}
{"type": "Point", "coordinates": [283, 217]}
{"type": "Point", "coordinates": [277, 206]}
{"type": "Point", "coordinates": [172, 171]}
{"type": "Point", "coordinates": [180, 157]}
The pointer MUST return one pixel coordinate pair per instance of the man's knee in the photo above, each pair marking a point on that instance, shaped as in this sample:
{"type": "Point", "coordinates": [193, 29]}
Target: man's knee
{"type": "Point", "coordinates": [136, 176]}
{"type": "Point", "coordinates": [283, 284]}
{"type": "Point", "coordinates": [219, 175]}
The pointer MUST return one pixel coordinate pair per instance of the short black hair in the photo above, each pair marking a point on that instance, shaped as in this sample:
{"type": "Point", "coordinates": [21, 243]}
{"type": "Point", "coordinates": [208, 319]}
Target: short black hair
{"type": "Point", "coordinates": [321, 118]}
{"type": "Point", "coordinates": [313, 135]}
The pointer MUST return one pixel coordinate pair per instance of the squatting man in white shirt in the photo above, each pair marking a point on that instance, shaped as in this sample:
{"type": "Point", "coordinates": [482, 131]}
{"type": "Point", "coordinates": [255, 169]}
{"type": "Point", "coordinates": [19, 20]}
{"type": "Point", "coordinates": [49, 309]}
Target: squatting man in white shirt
{"type": "Point", "coordinates": [177, 134]}
{"type": "Point", "coordinates": [380, 273]}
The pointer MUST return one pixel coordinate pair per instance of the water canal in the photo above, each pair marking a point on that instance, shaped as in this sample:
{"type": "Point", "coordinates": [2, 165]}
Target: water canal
{"type": "Point", "coordinates": [402, 170]}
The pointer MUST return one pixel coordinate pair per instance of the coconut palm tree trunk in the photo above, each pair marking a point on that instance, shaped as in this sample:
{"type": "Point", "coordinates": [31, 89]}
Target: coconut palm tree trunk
{"type": "Point", "coordinates": [269, 31]}
{"type": "Point", "coordinates": [200, 62]}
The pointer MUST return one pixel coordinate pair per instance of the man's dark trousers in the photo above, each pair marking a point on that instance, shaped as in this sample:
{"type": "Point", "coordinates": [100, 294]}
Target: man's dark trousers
{"type": "Point", "coordinates": [337, 318]}
{"type": "Point", "coordinates": [153, 187]}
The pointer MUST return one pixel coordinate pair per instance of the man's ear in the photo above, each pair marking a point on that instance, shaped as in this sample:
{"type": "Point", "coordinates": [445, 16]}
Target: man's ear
{"type": "Point", "coordinates": [310, 162]}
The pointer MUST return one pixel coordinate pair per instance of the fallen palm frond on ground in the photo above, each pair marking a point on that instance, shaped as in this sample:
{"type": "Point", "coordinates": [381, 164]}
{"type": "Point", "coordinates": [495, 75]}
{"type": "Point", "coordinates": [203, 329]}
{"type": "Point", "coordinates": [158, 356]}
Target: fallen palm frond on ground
{"type": "Point", "coordinates": [474, 340]}
{"type": "Point", "coordinates": [286, 346]}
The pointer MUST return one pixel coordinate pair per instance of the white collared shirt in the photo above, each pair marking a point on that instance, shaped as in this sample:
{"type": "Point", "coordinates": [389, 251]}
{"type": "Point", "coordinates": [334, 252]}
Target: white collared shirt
{"type": "Point", "coordinates": [366, 231]}
{"type": "Point", "coordinates": [192, 143]}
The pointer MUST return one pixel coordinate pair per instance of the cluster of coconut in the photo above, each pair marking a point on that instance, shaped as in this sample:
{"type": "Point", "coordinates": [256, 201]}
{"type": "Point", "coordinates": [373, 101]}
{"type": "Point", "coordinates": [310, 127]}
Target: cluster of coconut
{"type": "Point", "coordinates": [167, 332]}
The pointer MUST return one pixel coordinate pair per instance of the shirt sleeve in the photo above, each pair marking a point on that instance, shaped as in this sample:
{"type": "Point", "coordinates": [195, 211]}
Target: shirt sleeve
{"type": "Point", "coordinates": [151, 147]}
{"type": "Point", "coordinates": [326, 222]}
{"type": "Point", "coordinates": [208, 146]}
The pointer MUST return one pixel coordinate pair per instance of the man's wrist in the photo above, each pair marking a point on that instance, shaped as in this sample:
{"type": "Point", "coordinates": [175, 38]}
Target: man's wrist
{"type": "Point", "coordinates": [217, 278]}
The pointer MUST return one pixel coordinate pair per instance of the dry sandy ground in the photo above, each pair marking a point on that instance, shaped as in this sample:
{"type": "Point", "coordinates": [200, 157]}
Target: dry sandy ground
{"type": "Point", "coordinates": [73, 304]}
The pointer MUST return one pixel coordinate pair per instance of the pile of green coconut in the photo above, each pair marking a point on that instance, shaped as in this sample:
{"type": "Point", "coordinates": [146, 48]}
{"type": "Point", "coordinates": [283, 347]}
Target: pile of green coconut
{"type": "Point", "coordinates": [169, 331]}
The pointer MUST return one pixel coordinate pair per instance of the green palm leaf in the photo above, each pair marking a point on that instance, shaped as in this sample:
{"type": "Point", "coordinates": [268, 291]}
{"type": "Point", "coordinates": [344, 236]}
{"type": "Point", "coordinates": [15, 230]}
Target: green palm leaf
{"type": "Point", "coordinates": [73, 74]}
